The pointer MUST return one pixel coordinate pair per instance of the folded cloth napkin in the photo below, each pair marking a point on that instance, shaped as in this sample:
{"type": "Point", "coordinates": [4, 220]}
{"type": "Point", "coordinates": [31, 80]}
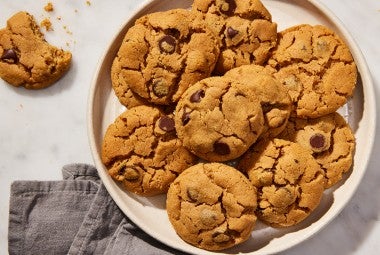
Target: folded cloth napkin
{"type": "Point", "coordinates": [73, 216]}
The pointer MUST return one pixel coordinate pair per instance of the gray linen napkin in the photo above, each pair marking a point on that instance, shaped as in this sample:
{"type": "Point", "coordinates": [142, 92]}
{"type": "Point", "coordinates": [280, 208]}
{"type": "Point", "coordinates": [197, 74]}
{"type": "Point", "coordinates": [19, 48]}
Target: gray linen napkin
{"type": "Point", "coordinates": [73, 216]}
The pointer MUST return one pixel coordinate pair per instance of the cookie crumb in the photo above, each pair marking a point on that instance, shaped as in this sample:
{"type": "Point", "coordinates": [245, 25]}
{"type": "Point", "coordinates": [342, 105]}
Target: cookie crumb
{"type": "Point", "coordinates": [67, 30]}
{"type": "Point", "coordinates": [88, 3]}
{"type": "Point", "coordinates": [46, 23]}
{"type": "Point", "coordinates": [49, 7]}
{"type": "Point", "coordinates": [59, 18]}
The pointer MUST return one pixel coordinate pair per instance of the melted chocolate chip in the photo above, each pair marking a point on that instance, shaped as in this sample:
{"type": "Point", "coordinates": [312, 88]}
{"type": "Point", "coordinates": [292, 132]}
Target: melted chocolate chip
{"type": "Point", "coordinates": [208, 217]}
{"type": "Point", "coordinates": [220, 237]}
{"type": "Point", "coordinates": [228, 8]}
{"type": "Point", "coordinates": [231, 33]}
{"type": "Point", "coordinates": [317, 141]}
{"type": "Point", "coordinates": [129, 173]}
{"type": "Point", "coordinates": [185, 117]}
{"type": "Point", "coordinates": [160, 88]}
{"type": "Point", "coordinates": [193, 194]}
{"type": "Point", "coordinates": [197, 96]}
{"type": "Point", "coordinates": [167, 44]}
{"type": "Point", "coordinates": [166, 123]}
{"type": "Point", "coordinates": [10, 56]}
{"type": "Point", "coordinates": [221, 148]}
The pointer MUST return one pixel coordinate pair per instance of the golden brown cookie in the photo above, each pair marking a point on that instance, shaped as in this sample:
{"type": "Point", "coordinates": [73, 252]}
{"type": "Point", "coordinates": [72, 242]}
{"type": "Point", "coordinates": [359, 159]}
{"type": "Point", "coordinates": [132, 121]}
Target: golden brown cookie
{"type": "Point", "coordinates": [218, 118]}
{"type": "Point", "coordinates": [212, 206]}
{"type": "Point", "coordinates": [289, 181]}
{"type": "Point", "coordinates": [273, 96]}
{"type": "Point", "coordinates": [329, 139]}
{"type": "Point", "coordinates": [142, 152]}
{"type": "Point", "coordinates": [245, 28]}
{"type": "Point", "coordinates": [163, 54]}
{"type": "Point", "coordinates": [317, 68]}
{"type": "Point", "coordinates": [26, 59]}
{"type": "Point", "coordinates": [121, 88]}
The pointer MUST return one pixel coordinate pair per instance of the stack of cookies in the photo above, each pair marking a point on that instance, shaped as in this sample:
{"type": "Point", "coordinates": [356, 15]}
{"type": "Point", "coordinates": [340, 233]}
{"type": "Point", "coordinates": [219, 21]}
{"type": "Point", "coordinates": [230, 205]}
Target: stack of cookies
{"type": "Point", "coordinates": [232, 119]}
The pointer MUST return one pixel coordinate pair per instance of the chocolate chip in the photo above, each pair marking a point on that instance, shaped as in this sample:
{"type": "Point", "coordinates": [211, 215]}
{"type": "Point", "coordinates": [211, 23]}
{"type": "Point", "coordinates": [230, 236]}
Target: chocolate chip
{"type": "Point", "coordinates": [221, 148]}
{"type": "Point", "coordinates": [10, 56]}
{"type": "Point", "coordinates": [166, 123]}
{"type": "Point", "coordinates": [192, 193]}
{"type": "Point", "coordinates": [167, 44]}
{"type": "Point", "coordinates": [197, 96]}
{"type": "Point", "coordinates": [208, 217]}
{"type": "Point", "coordinates": [317, 141]}
{"type": "Point", "coordinates": [128, 173]}
{"type": "Point", "coordinates": [131, 174]}
{"type": "Point", "coordinates": [185, 117]}
{"type": "Point", "coordinates": [228, 7]}
{"type": "Point", "coordinates": [218, 237]}
{"type": "Point", "coordinates": [160, 88]}
{"type": "Point", "coordinates": [231, 33]}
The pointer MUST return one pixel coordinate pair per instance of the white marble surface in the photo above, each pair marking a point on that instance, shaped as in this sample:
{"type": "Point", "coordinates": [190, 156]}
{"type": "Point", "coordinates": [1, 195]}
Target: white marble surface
{"type": "Point", "coordinates": [40, 131]}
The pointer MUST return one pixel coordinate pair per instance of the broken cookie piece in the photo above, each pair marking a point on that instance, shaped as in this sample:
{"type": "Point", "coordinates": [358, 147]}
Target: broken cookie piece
{"type": "Point", "coordinates": [27, 59]}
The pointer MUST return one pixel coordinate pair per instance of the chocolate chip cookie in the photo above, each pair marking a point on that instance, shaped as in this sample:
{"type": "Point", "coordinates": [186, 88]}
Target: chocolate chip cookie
{"type": "Point", "coordinates": [26, 58]}
{"type": "Point", "coordinates": [212, 206]}
{"type": "Point", "coordinates": [289, 181]}
{"type": "Point", "coordinates": [120, 86]}
{"type": "Point", "coordinates": [273, 96]}
{"type": "Point", "coordinates": [142, 152]}
{"type": "Point", "coordinates": [163, 54]}
{"type": "Point", "coordinates": [218, 118]}
{"type": "Point", "coordinates": [329, 139]}
{"type": "Point", "coordinates": [316, 66]}
{"type": "Point", "coordinates": [245, 28]}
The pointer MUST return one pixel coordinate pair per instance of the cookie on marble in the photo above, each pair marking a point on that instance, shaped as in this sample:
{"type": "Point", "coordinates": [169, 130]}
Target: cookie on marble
{"type": "Point", "coordinates": [163, 54]}
{"type": "Point", "coordinates": [245, 28]}
{"type": "Point", "coordinates": [142, 152]}
{"type": "Point", "coordinates": [329, 139]}
{"type": "Point", "coordinates": [289, 181]}
{"type": "Point", "coordinates": [273, 96]}
{"type": "Point", "coordinates": [212, 206]}
{"type": "Point", "coordinates": [218, 118]}
{"type": "Point", "coordinates": [26, 58]}
{"type": "Point", "coordinates": [317, 67]}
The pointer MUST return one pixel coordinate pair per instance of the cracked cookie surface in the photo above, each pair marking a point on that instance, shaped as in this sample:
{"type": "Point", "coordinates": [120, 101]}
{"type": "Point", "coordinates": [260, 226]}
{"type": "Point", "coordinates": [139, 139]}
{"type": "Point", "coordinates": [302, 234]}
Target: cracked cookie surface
{"type": "Point", "coordinates": [317, 68]}
{"type": "Point", "coordinates": [26, 58]}
{"type": "Point", "coordinates": [142, 152]}
{"type": "Point", "coordinates": [289, 181]}
{"type": "Point", "coordinates": [273, 96]}
{"type": "Point", "coordinates": [163, 54]}
{"type": "Point", "coordinates": [120, 86]}
{"type": "Point", "coordinates": [245, 28]}
{"type": "Point", "coordinates": [211, 121]}
{"type": "Point", "coordinates": [212, 206]}
{"type": "Point", "coordinates": [329, 139]}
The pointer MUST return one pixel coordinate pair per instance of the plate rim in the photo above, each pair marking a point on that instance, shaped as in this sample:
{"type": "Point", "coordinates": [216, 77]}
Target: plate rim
{"type": "Point", "coordinates": [369, 109]}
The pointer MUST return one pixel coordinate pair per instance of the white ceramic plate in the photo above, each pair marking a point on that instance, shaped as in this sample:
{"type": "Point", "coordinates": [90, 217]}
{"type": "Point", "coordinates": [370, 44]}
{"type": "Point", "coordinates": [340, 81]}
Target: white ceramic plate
{"type": "Point", "coordinates": [149, 213]}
